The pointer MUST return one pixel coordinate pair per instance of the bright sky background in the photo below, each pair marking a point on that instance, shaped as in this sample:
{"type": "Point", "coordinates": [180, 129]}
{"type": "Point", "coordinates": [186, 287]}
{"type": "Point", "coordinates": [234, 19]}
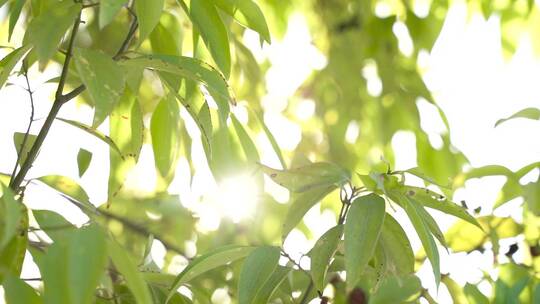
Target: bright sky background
{"type": "Point", "coordinates": [466, 71]}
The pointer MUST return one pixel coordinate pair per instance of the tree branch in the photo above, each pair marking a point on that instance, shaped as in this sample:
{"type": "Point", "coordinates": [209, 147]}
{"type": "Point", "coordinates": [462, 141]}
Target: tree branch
{"type": "Point", "coordinates": [61, 99]}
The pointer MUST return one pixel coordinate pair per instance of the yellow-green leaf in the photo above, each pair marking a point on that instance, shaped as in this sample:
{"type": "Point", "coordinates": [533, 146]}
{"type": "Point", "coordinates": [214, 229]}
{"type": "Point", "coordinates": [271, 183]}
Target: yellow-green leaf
{"type": "Point", "coordinates": [18, 139]}
{"type": "Point", "coordinates": [128, 268]}
{"type": "Point", "coordinates": [529, 113]}
{"type": "Point", "coordinates": [362, 229]}
{"type": "Point", "coordinates": [10, 60]}
{"type": "Point", "coordinates": [108, 9]}
{"type": "Point", "coordinates": [322, 253]}
{"type": "Point", "coordinates": [84, 157]}
{"type": "Point", "coordinates": [46, 30]}
{"type": "Point", "coordinates": [66, 186]}
{"type": "Point", "coordinates": [247, 13]}
{"type": "Point", "coordinates": [18, 292]}
{"type": "Point", "coordinates": [94, 132]}
{"type": "Point", "coordinates": [148, 13]}
{"type": "Point", "coordinates": [209, 261]}
{"type": "Point", "coordinates": [257, 269]}
{"type": "Point", "coordinates": [165, 131]}
{"type": "Point", "coordinates": [103, 78]}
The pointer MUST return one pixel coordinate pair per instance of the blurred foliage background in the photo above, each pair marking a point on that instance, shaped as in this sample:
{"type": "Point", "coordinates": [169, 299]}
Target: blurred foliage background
{"type": "Point", "coordinates": [359, 83]}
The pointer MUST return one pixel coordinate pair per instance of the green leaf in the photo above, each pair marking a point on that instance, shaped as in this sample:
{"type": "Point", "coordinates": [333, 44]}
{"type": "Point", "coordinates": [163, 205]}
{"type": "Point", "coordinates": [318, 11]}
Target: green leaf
{"type": "Point", "coordinates": [250, 150]}
{"type": "Point", "coordinates": [46, 30]}
{"type": "Point", "coordinates": [205, 17]}
{"type": "Point", "coordinates": [247, 13]}
{"type": "Point", "coordinates": [436, 201]}
{"type": "Point", "coordinates": [271, 139]}
{"type": "Point", "coordinates": [397, 290]}
{"type": "Point", "coordinates": [94, 132]}
{"type": "Point", "coordinates": [128, 268]}
{"type": "Point", "coordinates": [165, 131]}
{"type": "Point", "coordinates": [126, 129]}
{"type": "Point", "coordinates": [307, 177]}
{"type": "Point", "coordinates": [14, 15]}
{"type": "Point", "coordinates": [54, 225]}
{"type": "Point", "coordinates": [148, 13]}
{"type": "Point", "coordinates": [362, 229]}
{"type": "Point", "coordinates": [455, 290]}
{"type": "Point", "coordinates": [66, 186]}
{"type": "Point", "coordinates": [418, 173]}
{"type": "Point", "coordinates": [71, 270]}
{"type": "Point", "coordinates": [209, 261]}
{"type": "Point", "coordinates": [84, 157]}
{"type": "Point", "coordinates": [103, 78]}
{"type": "Point", "coordinates": [430, 222]}
{"type": "Point", "coordinates": [108, 9]}
{"type": "Point", "coordinates": [473, 295]}
{"type": "Point", "coordinates": [531, 194]}
{"type": "Point", "coordinates": [55, 274]}
{"type": "Point", "coordinates": [423, 231]}
{"type": "Point", "coordinates": [10, 60]}
{"type": "Point", "coordinates": [322, 253]}
{"type": "Point", "coordinates": [272, 284]}
{"type": "Point", "coordinates": [12, 215]}
{"type": "Point", "coordinates": [18, 139]}
{"type": "Point", "coordinates": [18, 292]}
{"type": "Point", "coordinates": [87, 258]}
{"type": "Point", "coordinates": [396, 247]}
{"type": "Point", "coordinates": [257, 269]}
{"type": "Point", "coordinates": [189, 68]}
{"type": "Point", "coordinates": [300, 204]}
{"type": "Point", "coordinates": [529, 113]}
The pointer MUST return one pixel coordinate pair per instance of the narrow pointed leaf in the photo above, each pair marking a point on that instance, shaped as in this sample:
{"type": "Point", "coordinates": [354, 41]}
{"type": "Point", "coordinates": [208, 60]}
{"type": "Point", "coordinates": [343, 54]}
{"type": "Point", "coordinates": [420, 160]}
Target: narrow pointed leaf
{"type": "Point", "coordinates": [66, 186]}
{"type": "Point", "coordinates": [529, 113]}
{"type": "Point", "coordinates": [397, 290]}
{"type": "Point", "coordinates": [308, 177]}
{"type": "Point", "coordinates": [128, 268]}
{"type": "Point", "coordinates": [396, 247]}
{"type": "Point", "coordinates": [10, 60]}
{"type": "Point", "coordinates": [272, 284]}
{"type": "Point", "coordinates": [300, 204]}
{"type": "Point", "coordinates": [94, 132]}
{"type": "Point", "coordinates": [54, 225]}
{"type": "Point", "coordinates": [204, 15]}
{"type": "Point", "coordinates": [362, 229]}
{"type": "Point", "coordinates": [322, 253]}
{"type": "Point", "coordinates": [46, 35]}
{"type": "Point", "coordinates": [14, 15]}
{"type": "Point", "coordinates": [148, 13]}
{"type": "Point", "coordinates": [257, 269]}
{"type": "Point", "coordinates": [436, 201]}
{"type": "Point", "coordinates": [422, 229]}
{"type": "Point", "coordinates": [247, 13]}
{"type": "Point", "coordinates": [165, 131]}
{"type": "Point", "coordinates": [103, 78]}
{"type": "Point", "coordinates": [209, 261]}
{"type": "Point", "coordinates": [12, 214]}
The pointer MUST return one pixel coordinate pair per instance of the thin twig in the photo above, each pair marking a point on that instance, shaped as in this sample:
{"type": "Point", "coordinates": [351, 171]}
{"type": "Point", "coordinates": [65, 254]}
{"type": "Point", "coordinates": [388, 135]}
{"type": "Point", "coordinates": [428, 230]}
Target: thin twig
{"type": "Point", "coordinates": [26, 134]}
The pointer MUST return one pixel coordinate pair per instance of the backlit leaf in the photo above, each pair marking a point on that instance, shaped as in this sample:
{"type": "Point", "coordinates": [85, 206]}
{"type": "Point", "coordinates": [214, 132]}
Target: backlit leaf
{"type": "Point", "coordinates": [18, 139]}
{"type": "Point", "coordinates": [46, 30]}
{"type": "Point", "coordinates": [66, 186]}
{"type": "Point", "coordinates": [205, 17]}
{"type": "Point", "coordinates": [396, 289]}
{"type": "Point", "coordinates": [396, 247]}
{"type": "Point", "coordinates": [362, 229]}
{"type": "Point", "coordinates": [247, 13]}
{"type": "Point", "coordinates": [257, 269]}
{"type": "Point", "coordinates": [14, 15]}
{"type": "Point", "coordinates": [128, 268]}
{"type": "Point", "coordinates": [308, 177]}
{"type": "Point", "coordinates": [322, 253]}
{"type": "Point", "coordinates": [54, 225]}
{"type": "Point", "coordinates": [300, 203]}
{"type": "Point", "coordinates": [423, 231]}
{"type": "Point", "coordinates": [94, 132]}
{"type": "Point", "coordinates": [108, 9]}
{"type": "Point", "coordinates": [148, 13]}
{"type": "Point", "coordinates": [10, 60]}
{"type": "Point", "coordinates": [473, 295]}
{"type": "Point", "coordinates": [84, 157]}
{"type": "Point", "coordinates": [272, 284]}
{"type": "Point", "coordinates": [11, 216]}
{"type": "Point", "coordinates": [209, 261]}
{"type": "Point", "coordinates": [529, 113]}
{"type": "Point", "coordinates": [103, 78]}
{"type": "Point", "coordinates": [165, 131]}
